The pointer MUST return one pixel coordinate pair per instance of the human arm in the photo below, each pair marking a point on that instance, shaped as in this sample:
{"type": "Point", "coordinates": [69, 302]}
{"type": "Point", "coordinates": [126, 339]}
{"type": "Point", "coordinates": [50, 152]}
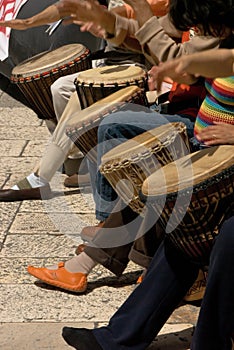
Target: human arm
{"type": "Point", "coordinates": [49, 15]}
{"type": "Point", "coordinates": [89, 12]}
{"type": "Point", "coordinates": [210, 64]}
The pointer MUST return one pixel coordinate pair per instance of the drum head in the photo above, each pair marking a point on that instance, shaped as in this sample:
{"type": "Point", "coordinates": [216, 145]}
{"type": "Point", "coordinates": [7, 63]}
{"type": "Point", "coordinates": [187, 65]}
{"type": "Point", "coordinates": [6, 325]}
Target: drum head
{"type": "Point", "coordinates": [49, 60]}
{"type": "Point", "coordinates": [143, 144]}
{"type": "Point", "coordinates": [189, 171]}
{"type": "Point", "coordinates": [93, 112]}
{"type": "Point", "coordinates": [111, 75]}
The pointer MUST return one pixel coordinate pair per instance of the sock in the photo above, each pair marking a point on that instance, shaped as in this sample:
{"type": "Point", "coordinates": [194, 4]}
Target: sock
{"type": "Point", "coordinates": [31, 181]}
{"type": "Point", "coordinates": [79, 263]}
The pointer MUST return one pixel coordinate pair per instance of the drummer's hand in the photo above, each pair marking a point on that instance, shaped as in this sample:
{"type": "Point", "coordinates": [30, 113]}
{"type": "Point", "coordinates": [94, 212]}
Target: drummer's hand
{"type": "Point", "coordinates": [170, 69]}
{"type": "Point", "coordinates": [142, 10]}
{"type": "Point", "coordinates": [19, 24]}
{"type": "Point", "coordinates": [87, 11]}
{"type": "Point", "coordinates": [83, 11]}
{"type": "Point", "coordinates": [217, 134]}
{"type": "Point", "coordinates": [92, 28]}
{"type": "Point", "coordinates": [152, 79]}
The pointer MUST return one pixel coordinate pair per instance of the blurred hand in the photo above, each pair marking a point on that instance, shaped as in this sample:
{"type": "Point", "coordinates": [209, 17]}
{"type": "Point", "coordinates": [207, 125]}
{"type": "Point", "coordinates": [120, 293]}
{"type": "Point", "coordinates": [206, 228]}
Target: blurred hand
{"type": "Point", "coordinates": [169, 69]}
{"type": "Point", "coordinates": [82, 11]}
{"type": "Point", "coordinates": [94, 29]}
{"type": "Point", "coordinates": [142, 9]}
{"type": "Point", "coordinates": [152, 80]}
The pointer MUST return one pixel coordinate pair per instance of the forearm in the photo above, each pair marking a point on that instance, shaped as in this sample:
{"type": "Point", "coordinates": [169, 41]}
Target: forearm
{"type": "Point", "coordinates": [211, 64]}
{"type": "Point", "coordinates": [49, 15]}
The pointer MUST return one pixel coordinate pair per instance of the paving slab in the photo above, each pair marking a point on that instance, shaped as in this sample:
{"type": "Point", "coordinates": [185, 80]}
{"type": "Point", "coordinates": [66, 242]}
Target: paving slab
{"type": "Point", "coordinates": [19, 116]}
{"type": "Point", "coordinates": [47, 336]}
{"type": "Point", "coordinates": [28, 132]}
{"type": "Point", "coordinates": [11, 148]}
{"type": "Point", "coordinates": [18, 165]}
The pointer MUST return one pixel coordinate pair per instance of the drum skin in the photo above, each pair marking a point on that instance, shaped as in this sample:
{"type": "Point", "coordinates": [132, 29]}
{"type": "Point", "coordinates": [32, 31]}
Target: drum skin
{"type": "Point", "coordinates": [84, 133]}
{"type": "Point", "coordinates": [127, 165]}
{"type": "Point", "coordinates": [35, 75]}
{"type": "Point", "coordinates": [27, 43]}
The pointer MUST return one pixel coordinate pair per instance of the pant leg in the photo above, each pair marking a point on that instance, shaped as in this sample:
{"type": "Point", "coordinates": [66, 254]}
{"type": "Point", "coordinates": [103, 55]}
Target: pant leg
{"type": "Point", "coordinates": [140, 318]}
{"type": "Point", "coordinates": [126, 236]}
{"type": "Point", "coordinates": [216, 319]}
{"type": "Point", "coordinates": [114, 130]}
{"type": "Point", "coordinates": [112, 244]}
{"type": "Point", "coordinates": [145, 247]}
{"type": "Point", "coordinates": [60, 144]}
{"type": "Point", "coordinates": [61, 91]}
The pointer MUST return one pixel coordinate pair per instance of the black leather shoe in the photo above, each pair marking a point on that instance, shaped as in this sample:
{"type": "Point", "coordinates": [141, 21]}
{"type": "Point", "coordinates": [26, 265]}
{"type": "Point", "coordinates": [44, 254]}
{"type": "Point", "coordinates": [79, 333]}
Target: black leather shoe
{"type": "Point", "coordinates": [80, 338]}
{"type": "Point", "coordinates": [10, 195]}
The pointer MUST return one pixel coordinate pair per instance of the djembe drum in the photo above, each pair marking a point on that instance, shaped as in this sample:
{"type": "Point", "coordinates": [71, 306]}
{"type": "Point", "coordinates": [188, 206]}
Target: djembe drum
{"type": "Point", "coordinates": [193, 196]}
{"type": "Point", "coordinates": [97, 83]}
{"type": "Point", "coordinates": [84, 133]}
{"type": "Point", "coordinates": [127, 165]}
{"type": "Point", "coordinates": [35, 75]}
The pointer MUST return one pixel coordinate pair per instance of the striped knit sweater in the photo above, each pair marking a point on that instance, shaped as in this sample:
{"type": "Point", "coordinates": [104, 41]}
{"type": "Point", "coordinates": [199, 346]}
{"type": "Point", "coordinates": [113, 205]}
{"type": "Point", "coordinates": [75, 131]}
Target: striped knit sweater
{"type": "Point", "coordinates": [218, 105]}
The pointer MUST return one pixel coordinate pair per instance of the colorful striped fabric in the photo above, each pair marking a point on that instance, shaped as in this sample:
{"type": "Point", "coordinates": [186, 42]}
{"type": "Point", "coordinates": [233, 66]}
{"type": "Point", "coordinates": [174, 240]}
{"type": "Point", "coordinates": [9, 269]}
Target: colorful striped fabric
{"type": "Point", "coordinates": [218, 106]}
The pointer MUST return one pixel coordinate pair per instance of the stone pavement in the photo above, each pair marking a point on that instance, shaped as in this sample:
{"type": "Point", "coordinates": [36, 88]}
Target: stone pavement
{"type": "Point", "coordinates": [45, 232]}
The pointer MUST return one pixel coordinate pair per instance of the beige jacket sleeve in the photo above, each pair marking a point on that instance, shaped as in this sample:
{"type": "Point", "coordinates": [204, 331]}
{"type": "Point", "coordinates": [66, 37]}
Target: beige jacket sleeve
{"type": "Point", "coordinates": [154, 42]}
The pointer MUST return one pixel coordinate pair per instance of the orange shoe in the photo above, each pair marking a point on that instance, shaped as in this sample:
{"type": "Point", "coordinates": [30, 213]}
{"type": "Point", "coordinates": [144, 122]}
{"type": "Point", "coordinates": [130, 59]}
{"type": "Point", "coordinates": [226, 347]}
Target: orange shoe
{"type": "Point", "coordinates": [75, 282]}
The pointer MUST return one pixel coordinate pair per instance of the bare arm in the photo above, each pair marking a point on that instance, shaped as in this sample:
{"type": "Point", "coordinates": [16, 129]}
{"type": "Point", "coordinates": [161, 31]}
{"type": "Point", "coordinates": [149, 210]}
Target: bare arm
{"type": "Point", "coordinates": [210, 63]}
{"type": "Point", "coordinates": [49, 15]}
{"type": "Point", "coordinates": [72, 10]}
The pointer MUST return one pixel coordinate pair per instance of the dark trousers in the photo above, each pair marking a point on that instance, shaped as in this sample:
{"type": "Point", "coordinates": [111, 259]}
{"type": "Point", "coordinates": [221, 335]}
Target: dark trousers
{"type": "Point", "coordinates": [169, 276]}
{"type": "Point", "coordinates": [126, 236]}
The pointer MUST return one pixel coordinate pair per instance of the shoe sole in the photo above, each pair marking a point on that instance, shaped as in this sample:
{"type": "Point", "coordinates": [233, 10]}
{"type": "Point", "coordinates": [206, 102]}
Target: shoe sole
{"type": "Point", "coordinates": [58, 284]}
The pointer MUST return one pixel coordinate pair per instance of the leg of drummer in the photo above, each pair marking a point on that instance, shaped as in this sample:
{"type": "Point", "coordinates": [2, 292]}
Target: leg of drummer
{"type": "Point", "coordinates": [116, 129]}
{"type": "Point", "coordinates": [139, 319]}
{"type": "Point", "coordinates": [60, 145]}
{"type": "Point", "coordinates": [110, 248]}
{"type": "Point", "coordinates": [61, 90]}
{"type": "Point", "coordinates": [36, 186]}
{"type": "Point", "coordinates": [215, 324]}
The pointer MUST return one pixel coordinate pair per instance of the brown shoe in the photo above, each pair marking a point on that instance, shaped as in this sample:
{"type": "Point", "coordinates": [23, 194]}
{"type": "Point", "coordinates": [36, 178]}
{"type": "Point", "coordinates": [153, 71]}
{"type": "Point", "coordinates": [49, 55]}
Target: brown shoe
{"type": "Point", "coordinates": [10, 195]}
{"type": "Point", "coordinates": [75, 282]}
{"type": "Point", "coordinates": [76, 180]}
{"type": "Point", "coordinates": [89, 232]}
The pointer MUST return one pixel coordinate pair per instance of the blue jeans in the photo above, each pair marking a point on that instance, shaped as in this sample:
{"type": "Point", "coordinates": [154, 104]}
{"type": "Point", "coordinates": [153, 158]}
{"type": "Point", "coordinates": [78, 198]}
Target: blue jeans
{"type": "Point", "coordinates": [170, 275]}
{"type": "Point", "coordinates": [114, 130]}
